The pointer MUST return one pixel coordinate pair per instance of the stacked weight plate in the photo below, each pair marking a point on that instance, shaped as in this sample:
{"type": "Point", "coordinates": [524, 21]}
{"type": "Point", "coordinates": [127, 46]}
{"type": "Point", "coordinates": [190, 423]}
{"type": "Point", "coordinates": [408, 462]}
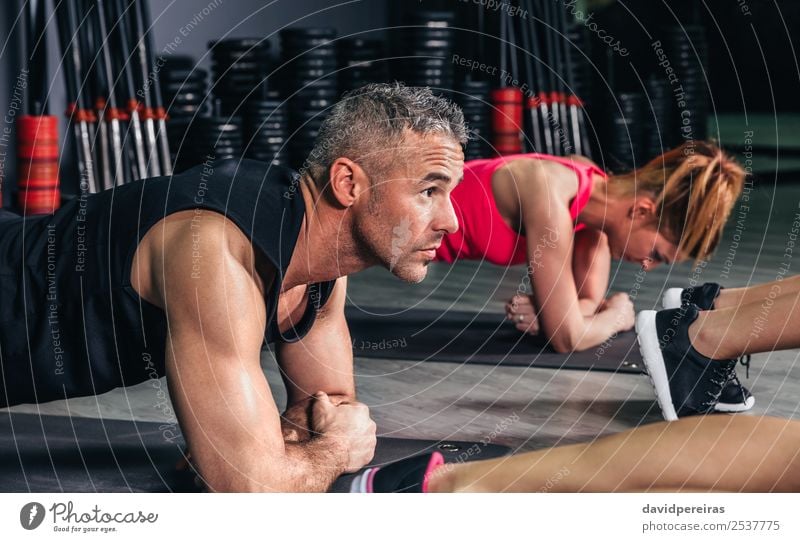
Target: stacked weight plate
{"type": "Point", "coordinates": [213, 137]}
{"type": "Point", "coordinates": [473, 97]}
{"type": "Point", "coordinates": [624, 131]}
{"type": "Point", "coordinates": [659, 135]}
{"type": "Point", "coordinates": [581, 65]}
{"type": "Point", "coordinates": [687, 48]}
{"type": "Point", "coordinates": [238, 67]}
{"type": "Point", "coordinates": [309, 76]}
{"type": "Point", "coordinates": [185, 92]}
{"type": "Point", "coordinates": [429, 44]}
{"type": "Point", "coordinates": [183, 87]}
{"type": "Point", "coordinates": [265, 126]}
{"type": "Point", "coordinates": [360, 63]}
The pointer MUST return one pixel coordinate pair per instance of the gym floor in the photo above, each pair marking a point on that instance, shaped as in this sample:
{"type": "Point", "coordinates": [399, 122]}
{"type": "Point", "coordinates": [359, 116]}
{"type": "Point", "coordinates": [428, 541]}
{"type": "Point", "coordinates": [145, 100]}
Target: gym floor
{"type": "Point", "coordinates": [527, 408]}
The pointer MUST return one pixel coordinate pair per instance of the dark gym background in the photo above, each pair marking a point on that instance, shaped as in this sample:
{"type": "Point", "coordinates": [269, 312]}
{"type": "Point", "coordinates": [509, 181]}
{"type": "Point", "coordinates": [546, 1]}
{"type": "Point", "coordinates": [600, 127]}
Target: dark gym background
{"type": "Point", "coordinates": [752, 62]}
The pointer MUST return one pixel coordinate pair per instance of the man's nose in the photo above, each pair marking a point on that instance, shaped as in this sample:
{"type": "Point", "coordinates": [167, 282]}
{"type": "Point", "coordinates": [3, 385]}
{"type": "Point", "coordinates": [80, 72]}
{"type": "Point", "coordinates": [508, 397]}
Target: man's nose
{"type": "Point", "coordinates": [448, 220]}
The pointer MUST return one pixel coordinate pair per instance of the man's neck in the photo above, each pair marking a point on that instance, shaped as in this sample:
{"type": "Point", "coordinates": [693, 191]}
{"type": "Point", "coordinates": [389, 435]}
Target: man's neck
{"type": "Point", "coordinates": [325, 249]}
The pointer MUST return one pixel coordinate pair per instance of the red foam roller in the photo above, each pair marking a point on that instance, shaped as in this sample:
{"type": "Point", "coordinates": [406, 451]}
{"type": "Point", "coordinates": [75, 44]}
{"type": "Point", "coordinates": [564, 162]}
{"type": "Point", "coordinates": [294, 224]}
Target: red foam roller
{"type": "Point", "coordinates": [507, 120]}
{"type": "Point", "coordinates": [37, 146]}
{"type": "Point", "coordinates": [37, 202]}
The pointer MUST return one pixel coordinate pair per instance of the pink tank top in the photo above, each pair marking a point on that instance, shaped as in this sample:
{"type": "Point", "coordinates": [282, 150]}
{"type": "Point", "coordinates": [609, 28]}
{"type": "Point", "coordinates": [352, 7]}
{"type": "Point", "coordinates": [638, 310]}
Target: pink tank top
{"type": "Point", "coordinates": [482, 233]}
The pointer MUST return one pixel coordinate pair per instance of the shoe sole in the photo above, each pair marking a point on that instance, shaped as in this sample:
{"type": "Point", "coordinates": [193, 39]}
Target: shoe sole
{"type": "Point", "coordinates": [647, 337]}
{"type": "Point", "coordinates": [736, 407]}
{"type": "Point", "coordinates": [672, 298]}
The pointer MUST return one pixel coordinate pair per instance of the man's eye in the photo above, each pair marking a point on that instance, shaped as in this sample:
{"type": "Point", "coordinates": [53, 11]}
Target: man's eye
{"type": "Point", "coordinates": [429, 191]}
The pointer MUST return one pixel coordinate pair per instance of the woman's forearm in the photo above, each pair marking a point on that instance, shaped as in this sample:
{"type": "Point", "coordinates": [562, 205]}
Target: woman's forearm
{"type": "Point", "coordinates": [583, 332]}
{"type": "Point", "coordinates": [597, 328]}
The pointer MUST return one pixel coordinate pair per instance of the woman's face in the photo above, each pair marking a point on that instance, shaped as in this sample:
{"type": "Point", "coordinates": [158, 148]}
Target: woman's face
{"type": "Point", "coordinates": [636, 238]}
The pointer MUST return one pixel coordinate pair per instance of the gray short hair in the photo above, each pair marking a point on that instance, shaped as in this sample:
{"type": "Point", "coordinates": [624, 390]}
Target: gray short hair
{"type": "Point", "coordinates": [375, 117]}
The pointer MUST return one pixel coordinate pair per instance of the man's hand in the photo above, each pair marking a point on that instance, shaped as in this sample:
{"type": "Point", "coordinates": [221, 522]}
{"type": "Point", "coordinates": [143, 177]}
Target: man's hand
{"type": "Point", "coordinates": [294, 421]}
{"type": "Point", "coordinates": [347, 426]}
{"type": "Point", "coordinates": [519, 310]}
{"type": "Point", "coordinates": [620, 304]}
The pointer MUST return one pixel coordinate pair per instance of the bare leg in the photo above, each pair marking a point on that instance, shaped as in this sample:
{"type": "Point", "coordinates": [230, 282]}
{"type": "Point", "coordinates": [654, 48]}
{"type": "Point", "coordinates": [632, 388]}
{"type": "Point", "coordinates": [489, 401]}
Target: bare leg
{"type": "Point", "coordinates": [712, 453]}
{"type": "Point", "coordinates": [769, 323]}
{"type": "Point", "coordinates": [733, 297]}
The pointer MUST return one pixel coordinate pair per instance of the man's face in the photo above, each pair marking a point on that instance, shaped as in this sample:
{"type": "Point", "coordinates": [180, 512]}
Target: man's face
{"type": "Point", "coordinates": [408, 210]}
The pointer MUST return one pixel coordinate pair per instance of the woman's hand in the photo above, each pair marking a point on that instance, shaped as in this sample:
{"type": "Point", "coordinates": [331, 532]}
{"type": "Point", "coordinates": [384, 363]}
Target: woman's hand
{"type": "Point", "coordinates": [620, 304]}
{"type": "Point", "coordinates": [519, 310]}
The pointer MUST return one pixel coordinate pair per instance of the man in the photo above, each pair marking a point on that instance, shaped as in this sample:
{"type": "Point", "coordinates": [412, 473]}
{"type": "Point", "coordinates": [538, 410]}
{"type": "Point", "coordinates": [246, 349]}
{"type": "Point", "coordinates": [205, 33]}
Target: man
{"type": "Point", "coordinates": [187, 276]}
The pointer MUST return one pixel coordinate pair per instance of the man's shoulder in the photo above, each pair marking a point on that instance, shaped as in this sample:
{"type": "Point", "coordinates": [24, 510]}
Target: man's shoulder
{"type": "Point", "coordinates": [204, 231]}
{"type": "Point", "coordinates": [247, 170]}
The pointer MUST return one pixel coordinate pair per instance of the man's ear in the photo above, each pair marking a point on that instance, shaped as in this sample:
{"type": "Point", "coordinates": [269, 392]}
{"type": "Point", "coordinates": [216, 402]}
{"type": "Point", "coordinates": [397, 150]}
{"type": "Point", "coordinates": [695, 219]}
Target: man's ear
{"type": "Point", "coordinates": [643, 208]}
{"type": "Point", "coordinates": [347, 181]}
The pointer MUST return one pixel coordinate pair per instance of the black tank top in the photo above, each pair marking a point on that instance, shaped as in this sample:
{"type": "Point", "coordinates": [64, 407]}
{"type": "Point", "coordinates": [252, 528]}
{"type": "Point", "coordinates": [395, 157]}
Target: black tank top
{"type": "Point", "coordinates": [71, 324]}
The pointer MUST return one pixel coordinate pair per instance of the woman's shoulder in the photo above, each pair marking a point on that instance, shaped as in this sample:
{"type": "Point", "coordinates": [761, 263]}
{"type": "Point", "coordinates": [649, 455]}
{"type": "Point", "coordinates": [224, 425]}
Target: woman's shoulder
{"type": "Point", "coordinates": [537, 174]}
{"type": "Point", "coordinates": [526, 167]}
{"type": "Point", "coordinates": [529, 183]}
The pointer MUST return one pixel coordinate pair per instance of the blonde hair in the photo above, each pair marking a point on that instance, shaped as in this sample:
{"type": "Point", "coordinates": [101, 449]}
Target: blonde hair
{"type": "Point", "coordinates": [695, 186]}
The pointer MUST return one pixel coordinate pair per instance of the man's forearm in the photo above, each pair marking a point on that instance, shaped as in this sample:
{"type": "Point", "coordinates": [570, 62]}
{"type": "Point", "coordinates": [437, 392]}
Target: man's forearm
{"type": "Point", "coordinates": [316, 463]}
{"type": "Point", "coordinates": [310, 466]}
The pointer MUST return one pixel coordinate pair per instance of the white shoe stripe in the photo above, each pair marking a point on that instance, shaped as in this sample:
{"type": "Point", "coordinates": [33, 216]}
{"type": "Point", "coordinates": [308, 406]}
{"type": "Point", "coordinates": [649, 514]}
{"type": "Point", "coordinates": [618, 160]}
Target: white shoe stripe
{"type": "Point", "coordinates": [736, 407]}
{"type": "Point", "coordinates": [672, 298]}
{"type": "Point", "coordinates": [647, 336]}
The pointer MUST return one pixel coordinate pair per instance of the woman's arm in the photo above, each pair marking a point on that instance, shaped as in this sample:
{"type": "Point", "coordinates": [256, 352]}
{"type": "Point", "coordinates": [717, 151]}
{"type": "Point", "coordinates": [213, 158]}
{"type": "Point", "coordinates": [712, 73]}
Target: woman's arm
{"type": "Point", "coordinates": [549, 233]}
{"type": "Point", "coordinates": [591, 262]}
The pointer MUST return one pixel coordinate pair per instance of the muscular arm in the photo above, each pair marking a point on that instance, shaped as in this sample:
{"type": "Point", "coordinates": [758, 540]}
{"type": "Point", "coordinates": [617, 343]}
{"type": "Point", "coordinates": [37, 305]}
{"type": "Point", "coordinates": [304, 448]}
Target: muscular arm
{"type": "Point", "coordinates": [549, 233]}
{"type": "Point", "coordinates": [591, 262]}
{"type": "Point", "coordinates": [224, 404]}
{"type": "Point", "coordinates": [320, 361]}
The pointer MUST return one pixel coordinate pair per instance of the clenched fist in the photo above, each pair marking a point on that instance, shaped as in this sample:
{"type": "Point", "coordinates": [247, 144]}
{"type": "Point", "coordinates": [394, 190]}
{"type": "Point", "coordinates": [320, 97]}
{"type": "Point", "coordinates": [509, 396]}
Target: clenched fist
{"type": "Point", "coordinates": [348, 426]}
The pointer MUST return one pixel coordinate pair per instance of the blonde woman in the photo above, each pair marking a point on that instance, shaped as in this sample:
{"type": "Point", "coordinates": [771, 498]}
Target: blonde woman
{"type": "Point", "coordinates": [565, 218]}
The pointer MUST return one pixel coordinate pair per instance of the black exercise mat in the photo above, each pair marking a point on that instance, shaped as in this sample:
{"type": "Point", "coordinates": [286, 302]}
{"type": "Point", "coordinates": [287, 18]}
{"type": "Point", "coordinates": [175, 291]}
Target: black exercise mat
{"type": "Point", "coordinates": [468, 337]}
{"type": "Point", "coordinates": [63, 454]}
{"type": "Point", "coordinates": [73, 454]}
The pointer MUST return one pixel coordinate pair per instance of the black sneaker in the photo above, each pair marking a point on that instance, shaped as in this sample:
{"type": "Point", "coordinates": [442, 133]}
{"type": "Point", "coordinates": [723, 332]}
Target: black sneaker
{"type": "Point", "coordinates": [686, 382]}
{"type": "Point", "coordinates": [702, 296]}
{"type": "Point", "coordinates": [735, 397]}
{"type": "Point", "coordinates": [405, 476]}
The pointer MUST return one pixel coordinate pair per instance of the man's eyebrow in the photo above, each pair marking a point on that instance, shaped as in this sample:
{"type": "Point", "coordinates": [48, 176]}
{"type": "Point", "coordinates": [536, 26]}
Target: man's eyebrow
{"type": "Point", "coordinates": [435, 176]}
